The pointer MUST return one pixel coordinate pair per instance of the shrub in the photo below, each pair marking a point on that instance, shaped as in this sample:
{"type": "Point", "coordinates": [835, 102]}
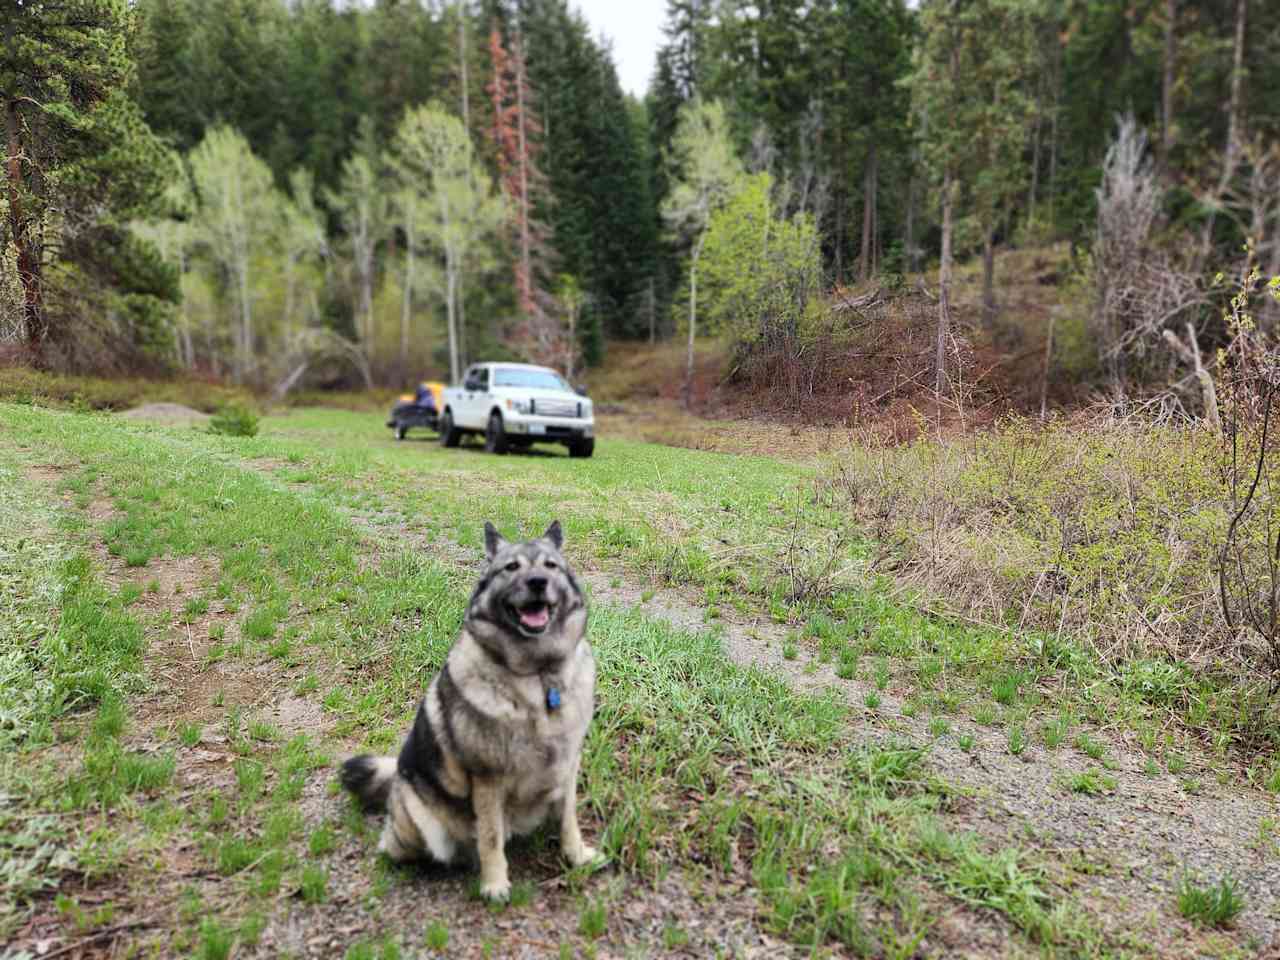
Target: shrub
{"type": "Point", "coordinates": [233, 420]}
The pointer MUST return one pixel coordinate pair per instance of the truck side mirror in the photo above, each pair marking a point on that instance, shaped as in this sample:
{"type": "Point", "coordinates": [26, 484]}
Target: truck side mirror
{"type": "Point", "coordinates": [580, 390]}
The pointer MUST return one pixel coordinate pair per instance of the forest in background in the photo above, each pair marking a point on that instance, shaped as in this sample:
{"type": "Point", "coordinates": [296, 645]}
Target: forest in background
{"type": "Point", "coordinates": [278, 193]}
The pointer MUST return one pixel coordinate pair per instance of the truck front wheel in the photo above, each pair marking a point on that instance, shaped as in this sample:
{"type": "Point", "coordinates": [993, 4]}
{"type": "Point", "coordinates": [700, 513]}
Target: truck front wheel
{"type": "Point", "coordinates": [449, 434]}
{"type": "Point", "coordinates": [495, 438]}
{"type": "Point", "coordinates": [583, 447]}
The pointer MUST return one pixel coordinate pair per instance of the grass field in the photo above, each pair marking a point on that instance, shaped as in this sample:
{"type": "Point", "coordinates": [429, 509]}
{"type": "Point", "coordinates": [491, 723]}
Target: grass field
{"type": "Point", "coordinates": [791, 755]}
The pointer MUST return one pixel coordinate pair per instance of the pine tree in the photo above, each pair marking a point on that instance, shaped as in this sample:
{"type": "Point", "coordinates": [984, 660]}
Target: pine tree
{"type": "Point", "coordinates": [970, 84]}
{"type": "Point", "coordinates": [76, 143]}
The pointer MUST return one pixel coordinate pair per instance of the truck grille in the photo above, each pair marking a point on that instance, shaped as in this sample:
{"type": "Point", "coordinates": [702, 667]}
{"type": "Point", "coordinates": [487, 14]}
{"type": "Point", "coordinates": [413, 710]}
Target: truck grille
{"type": "Point", "coordinates": [557, 408]}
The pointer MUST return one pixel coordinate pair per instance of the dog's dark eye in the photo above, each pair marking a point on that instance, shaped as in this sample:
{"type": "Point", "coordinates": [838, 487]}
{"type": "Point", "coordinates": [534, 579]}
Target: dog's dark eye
{"type": "Point", "coordinates": [552, 565]}
{"type": "Point", "coordinates": [513, 565]}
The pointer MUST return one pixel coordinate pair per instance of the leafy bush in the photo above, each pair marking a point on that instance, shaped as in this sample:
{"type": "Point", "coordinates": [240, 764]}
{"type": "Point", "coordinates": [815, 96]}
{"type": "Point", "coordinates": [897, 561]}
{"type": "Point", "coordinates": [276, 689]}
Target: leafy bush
{"type": "Point", "coordinates": [234, 420]}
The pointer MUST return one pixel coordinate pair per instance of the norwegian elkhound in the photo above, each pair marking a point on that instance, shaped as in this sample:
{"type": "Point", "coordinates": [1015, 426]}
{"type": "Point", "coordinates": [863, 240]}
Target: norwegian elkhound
{"type": "Point", "coordinates": [495, 746]}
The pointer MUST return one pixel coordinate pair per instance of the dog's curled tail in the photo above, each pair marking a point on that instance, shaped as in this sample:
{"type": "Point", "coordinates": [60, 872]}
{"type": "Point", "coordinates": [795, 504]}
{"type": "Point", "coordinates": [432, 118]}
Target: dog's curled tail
{"type": "Point", "coordinates": [369, 778]}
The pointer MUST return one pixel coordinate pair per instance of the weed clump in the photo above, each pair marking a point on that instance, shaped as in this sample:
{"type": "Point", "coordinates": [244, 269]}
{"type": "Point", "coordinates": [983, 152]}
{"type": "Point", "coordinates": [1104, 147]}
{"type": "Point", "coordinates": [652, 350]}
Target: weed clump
{"type": "Point", "coordinates": [1216, 905]}
{"type": "Point", "coordinates": [234, 420]}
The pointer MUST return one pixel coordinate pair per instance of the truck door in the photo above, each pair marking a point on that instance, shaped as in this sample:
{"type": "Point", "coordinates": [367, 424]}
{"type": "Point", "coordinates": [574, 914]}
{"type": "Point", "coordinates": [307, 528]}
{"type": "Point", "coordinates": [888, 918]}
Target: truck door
{"type": "Point", "coordinates": [475, 386]}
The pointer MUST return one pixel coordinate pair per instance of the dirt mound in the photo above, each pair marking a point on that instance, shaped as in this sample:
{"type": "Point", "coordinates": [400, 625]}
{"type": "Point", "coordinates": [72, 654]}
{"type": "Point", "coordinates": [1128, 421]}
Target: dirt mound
{"type": "Point", "coordinates": [171, 414]}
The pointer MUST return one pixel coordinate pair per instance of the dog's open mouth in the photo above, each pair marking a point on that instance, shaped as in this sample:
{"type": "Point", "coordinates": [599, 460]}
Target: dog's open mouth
{"type": "Point", "coordinates": [534, 617]}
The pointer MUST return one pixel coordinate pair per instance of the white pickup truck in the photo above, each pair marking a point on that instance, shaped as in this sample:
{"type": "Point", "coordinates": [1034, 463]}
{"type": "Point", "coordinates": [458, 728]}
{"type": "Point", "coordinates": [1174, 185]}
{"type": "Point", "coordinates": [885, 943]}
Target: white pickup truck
{"type": "Point", "coordinates": [516, 405]}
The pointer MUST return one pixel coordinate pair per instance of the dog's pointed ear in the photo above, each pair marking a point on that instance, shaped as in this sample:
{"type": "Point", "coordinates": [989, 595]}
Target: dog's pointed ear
{"type": "Point", "coordinates": [493, 541]}
{"type": "Point", "coordinates": [554, 534]}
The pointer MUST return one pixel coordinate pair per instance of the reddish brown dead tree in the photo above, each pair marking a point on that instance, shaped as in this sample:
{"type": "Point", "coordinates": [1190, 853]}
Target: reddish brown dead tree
{"type": "Point", "coordinates": [517, 137]}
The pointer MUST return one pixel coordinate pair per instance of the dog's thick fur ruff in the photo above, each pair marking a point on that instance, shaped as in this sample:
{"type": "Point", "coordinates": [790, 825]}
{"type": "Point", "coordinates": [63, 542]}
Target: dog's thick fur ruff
{"type": "Point", "coordinates": [494, 749]}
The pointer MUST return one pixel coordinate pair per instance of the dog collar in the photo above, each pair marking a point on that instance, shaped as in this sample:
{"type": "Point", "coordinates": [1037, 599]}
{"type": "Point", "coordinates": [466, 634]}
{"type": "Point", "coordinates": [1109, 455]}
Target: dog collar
{"type": "Point", "coordinates": [553, 698]}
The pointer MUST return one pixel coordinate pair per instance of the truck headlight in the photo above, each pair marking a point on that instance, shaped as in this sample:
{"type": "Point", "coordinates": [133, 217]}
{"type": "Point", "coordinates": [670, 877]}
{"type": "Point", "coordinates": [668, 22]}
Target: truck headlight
{"type": "Point", "coordinates": [520, 406]}
{"type": "Point", "coordinates": [586, 409]}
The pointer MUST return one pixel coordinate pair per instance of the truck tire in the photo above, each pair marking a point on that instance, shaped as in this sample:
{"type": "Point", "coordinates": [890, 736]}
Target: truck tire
{"type": "Point", "coordinates": [582, 448]}
{"type": "Point", "coordinates": [449, 434]}
{"type": "Point", "coordinates": [401, 430]}
{"type": "Point", "coordinates": [495, 438]}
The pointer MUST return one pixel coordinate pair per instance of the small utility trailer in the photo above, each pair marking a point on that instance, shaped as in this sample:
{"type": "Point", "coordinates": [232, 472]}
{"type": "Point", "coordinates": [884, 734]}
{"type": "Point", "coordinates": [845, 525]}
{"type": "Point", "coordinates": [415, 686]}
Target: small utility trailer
{"type": "Point", "coordinates": [420, 409]}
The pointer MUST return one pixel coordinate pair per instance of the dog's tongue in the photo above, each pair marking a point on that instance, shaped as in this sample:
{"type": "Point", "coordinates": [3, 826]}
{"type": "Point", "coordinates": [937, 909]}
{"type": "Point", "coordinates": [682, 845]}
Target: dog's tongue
{"type": "Point", "coordinates": [535, 617]}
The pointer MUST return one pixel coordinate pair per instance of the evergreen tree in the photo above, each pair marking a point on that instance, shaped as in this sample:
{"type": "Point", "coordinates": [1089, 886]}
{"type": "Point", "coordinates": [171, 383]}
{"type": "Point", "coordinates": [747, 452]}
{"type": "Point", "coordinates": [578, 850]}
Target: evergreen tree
{"type": "Point", "coordinates": [77, 145]}
{"type": "Point", "coordinates": [969, 83]}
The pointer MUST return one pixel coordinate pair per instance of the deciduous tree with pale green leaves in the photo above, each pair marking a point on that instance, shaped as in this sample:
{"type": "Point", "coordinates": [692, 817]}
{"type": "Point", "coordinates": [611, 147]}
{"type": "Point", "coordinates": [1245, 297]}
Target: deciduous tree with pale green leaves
{"type": "Point", "coordinates": [362, 203]}
{"type": "Point", "coordinates": [236, 215]}
{"type": "Point", "coordinates": [761, 270]}
{"type": "Point", "coordinates": [431, 153]}
{"type": "Point", "coordinates": [707, 172]}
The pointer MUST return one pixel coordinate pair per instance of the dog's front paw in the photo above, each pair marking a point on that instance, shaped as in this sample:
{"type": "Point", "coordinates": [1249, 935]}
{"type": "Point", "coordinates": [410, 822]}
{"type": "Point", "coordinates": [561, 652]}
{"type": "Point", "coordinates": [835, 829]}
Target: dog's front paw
{"type": "Point", "coordinates": [496, 890]}
{"type": "Point", "coordinates": [581, 856]}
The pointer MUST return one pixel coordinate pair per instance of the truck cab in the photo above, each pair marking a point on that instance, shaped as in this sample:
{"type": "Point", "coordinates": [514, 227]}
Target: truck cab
{"type": "Point", "coordinates": [517, 405]}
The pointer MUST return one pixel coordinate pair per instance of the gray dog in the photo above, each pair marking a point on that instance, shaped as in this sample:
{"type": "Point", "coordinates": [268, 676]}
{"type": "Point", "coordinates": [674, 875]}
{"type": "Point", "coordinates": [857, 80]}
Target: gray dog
{"type": "Point", "coordinates": [495, 746]}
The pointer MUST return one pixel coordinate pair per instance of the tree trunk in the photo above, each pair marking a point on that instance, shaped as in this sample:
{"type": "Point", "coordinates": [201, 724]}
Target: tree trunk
{"type": "Point", "coordinates": [868, 214]}
{"type": "Point", "coordinates": [1053, 134]}
{"type": "Point", "coordinates": [290, 380]}
{"type": "Point", "coordinates": [1044, 374]}
{"type": "Point", "coordinates": [693, 317]}
{"type": "Point", "coordinates": [839, 237]}
{"type": "Point", "coordinates": [464, 356]}
{"type": "Point", "coordinates": [28, 253]}
{"type": "Point", "coordinates": [988, 279]}
{"type": "Point", "coordinates": [406, 305]}
{"type": "Point", "coordinates": [910, 230]}
{"type": "Point", "coordinates": [246, 321]}
{"type": "Point", "coordinates": [526, 276]}
{"type": "Point", "coordinates": [1035, 164]}
{"type": "Point", "coordinates": [1166, 94]}
{"type": "Point", "coordinates": [462, 65]}
{"type": "Point", "coordinates": [450, 298]}
{"type": "Point", "coordinates": [366, 302]}
{"type": "Point", "coordinates": [573, 340]}
{"type": "Point", "coordinates": [875, 219]}
{"type": "Point", "coordinates": [652, 325]}
{"type": "Point", "coordinates": [944, 289]}
{"type": "Point", "coordinates": [1231, 156]}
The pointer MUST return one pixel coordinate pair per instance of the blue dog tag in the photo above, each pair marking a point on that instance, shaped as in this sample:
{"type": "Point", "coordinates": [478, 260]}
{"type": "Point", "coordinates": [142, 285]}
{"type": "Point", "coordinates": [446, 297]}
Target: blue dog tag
{"type": "Point", "coordinates": [553, 698]}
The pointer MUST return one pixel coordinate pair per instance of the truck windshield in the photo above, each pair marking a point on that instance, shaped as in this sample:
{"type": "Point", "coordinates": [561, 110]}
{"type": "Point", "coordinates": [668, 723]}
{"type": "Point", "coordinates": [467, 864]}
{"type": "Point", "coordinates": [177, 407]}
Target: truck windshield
{"type": "Point", "coordinates": [539, 379]}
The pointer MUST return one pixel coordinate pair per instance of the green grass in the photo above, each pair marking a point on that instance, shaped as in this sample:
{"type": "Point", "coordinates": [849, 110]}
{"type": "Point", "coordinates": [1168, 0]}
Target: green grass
{"type": "Point", "coordinates": [437, 936]}
{"type": "Point", "coordinates": [313, 885]}
{"type": "Point", "coordinates": [593, 920]}
{"type": "Point", "coordinates": [1216, 905]}
{"type": "Point", "coordinates": [1091, 782]}
{"type": "Point", "coordinates": [841, 837]}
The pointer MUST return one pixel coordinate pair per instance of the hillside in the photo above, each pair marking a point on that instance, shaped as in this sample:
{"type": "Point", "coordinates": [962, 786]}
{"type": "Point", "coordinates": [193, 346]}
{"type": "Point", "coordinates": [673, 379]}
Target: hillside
{"type": "Point", "coordinates": [875, 376]}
